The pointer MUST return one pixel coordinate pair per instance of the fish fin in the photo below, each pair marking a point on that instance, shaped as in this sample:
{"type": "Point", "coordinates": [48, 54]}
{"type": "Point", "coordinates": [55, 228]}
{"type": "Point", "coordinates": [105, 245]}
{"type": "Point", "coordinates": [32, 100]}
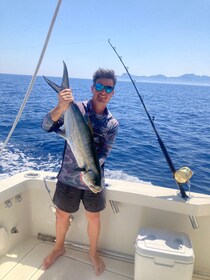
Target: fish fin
{"type": "Point", "coordinates": [61, 132]}
{"type": "Point", "coordinates": [88, 122]}
{"type": "Point", "coordinates": [65, 80]}
{"type": "Point", "coordinates": [81, 169]}
{"type": "Point", "coordinates": [90, 126]}
{"type": "Point", "coordinates": [53, 85]}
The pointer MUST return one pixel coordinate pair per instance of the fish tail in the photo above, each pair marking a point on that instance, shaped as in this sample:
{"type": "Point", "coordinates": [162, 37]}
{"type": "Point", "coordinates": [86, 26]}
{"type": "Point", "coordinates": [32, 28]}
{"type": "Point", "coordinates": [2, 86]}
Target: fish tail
{"type": "Point", "coordinates": [53, 85]}
{"type": "Point", "coordinates": [65, 80]}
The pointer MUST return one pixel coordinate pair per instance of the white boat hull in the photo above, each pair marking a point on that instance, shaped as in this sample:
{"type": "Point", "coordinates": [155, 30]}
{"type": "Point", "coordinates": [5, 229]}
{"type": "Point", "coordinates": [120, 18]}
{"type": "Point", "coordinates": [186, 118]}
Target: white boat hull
{"type": "Point", "coordinates": [25, 212]}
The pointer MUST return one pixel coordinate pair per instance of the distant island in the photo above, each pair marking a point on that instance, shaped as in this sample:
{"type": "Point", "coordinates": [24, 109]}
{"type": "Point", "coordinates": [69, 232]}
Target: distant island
{"type": "Point", "coordinates": [188, 79]}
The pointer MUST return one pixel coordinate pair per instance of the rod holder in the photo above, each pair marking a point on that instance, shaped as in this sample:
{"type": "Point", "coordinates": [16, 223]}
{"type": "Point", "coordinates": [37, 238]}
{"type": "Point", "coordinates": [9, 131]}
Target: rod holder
{"type": "Point", "coordinates": [14, 230]}
{"type": "Point", "coordinates": [193, 221]}
{"type": "Point", "coordinates": [114, 206]}
{"type": "Point", "coordinates": [8, 203]}
{"type": "Point", "coordinates": [18, 198]}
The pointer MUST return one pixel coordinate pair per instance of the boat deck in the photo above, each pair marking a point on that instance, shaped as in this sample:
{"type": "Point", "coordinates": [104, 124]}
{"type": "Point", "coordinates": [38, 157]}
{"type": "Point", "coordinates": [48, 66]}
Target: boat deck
{"type": "Point", "coordinates": [25, 261]}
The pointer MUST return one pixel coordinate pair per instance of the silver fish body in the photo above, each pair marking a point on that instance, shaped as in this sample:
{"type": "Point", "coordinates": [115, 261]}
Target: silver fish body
{"type": "Point", "coordinates": [79, 136]}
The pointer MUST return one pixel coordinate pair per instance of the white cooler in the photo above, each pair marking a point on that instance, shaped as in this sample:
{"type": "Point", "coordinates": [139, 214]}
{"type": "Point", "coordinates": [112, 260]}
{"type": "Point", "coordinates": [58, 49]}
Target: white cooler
{"type": "Point", "coordinates": [163, 255]}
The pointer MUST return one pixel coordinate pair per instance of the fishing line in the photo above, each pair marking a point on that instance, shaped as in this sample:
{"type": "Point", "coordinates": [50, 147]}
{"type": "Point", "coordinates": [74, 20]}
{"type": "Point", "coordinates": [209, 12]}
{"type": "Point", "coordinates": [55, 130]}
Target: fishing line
{"type": "Point", "coordinates": [162, 146]}
{"type": "Point", "coordinates": [52, 207]}
{"type": "Point", "coordinates": [33, 77]}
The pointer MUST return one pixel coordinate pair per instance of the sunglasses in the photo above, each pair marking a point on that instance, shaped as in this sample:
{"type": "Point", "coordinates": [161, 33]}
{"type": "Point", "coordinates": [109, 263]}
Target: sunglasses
{"type": "Point", "coordinates": [100, 87]}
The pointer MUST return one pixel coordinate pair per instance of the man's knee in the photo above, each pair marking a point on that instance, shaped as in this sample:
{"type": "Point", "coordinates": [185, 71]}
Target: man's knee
{"type": "Point", "coordinates": [93, 217]}
{"type": "Point", "coordinates": [61, 215]}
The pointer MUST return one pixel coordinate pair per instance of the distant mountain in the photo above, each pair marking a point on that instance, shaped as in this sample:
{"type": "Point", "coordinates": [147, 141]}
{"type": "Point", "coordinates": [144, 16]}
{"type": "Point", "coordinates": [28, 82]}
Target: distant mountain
{"type": "Point", "coordinates": [189, 79]}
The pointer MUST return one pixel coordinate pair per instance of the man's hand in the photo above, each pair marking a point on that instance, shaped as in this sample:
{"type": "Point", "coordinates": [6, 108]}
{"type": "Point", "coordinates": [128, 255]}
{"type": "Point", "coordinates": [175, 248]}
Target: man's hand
{"type": "Point", "coordinates": [65, 97]}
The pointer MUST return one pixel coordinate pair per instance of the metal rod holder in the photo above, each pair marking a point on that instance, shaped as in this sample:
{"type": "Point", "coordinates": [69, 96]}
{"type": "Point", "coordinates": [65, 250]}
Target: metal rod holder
{"type": "Point", "coordinates": [114, 206]}
{"type": "Point", "coordinates": [193, 221]}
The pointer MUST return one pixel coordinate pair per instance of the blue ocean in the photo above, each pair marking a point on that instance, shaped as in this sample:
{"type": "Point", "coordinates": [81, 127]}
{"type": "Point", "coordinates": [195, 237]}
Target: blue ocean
{"type": "Point", "coordinates": [182, 119]}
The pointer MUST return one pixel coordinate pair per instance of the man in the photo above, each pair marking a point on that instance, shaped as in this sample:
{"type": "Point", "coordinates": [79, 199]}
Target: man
{"type": "Point", "coordinates": [70, 188]}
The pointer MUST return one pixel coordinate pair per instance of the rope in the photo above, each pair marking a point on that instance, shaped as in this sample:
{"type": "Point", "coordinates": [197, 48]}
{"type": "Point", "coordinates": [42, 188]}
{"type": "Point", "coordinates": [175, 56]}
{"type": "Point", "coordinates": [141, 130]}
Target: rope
{"type": "Point", "coordinates": [33, 77]}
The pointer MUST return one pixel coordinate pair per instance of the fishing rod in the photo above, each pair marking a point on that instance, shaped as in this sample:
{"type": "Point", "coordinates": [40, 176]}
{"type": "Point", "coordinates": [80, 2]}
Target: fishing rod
{"type": "Point", "coordinates": [183, 174]}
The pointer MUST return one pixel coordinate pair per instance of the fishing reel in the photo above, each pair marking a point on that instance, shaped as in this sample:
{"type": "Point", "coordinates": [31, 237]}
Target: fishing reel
{"type": "Point", "coordinates": [183, 175]}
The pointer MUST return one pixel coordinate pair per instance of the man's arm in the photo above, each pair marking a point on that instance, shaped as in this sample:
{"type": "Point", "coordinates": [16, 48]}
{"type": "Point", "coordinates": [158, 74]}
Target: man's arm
{"type": "Point", "coordinates": [54, 119]}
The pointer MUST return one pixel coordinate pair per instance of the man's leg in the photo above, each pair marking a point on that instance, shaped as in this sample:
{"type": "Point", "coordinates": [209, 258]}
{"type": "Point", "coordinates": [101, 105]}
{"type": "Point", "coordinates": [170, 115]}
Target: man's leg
{"type": "Point", "coordinates": [62, 226]}
{"type": "Point", "coordinates": [93, 234]}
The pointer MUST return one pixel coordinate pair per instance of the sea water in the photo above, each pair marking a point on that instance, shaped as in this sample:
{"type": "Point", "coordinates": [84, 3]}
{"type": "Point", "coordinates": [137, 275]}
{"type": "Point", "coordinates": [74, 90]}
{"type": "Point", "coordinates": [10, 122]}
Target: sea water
{"type": "Point", "coordinates": [181, 115]}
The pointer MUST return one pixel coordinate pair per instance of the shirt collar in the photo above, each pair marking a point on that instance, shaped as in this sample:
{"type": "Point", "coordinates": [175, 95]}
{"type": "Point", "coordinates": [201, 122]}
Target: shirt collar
{"type": "Point", "coordinates": [91, 110]}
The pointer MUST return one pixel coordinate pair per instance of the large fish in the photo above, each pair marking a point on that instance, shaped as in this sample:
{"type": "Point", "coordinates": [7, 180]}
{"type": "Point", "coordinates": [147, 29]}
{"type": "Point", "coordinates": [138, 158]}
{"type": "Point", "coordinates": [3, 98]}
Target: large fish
{"type": "Point", "coordinates": [79, 136]}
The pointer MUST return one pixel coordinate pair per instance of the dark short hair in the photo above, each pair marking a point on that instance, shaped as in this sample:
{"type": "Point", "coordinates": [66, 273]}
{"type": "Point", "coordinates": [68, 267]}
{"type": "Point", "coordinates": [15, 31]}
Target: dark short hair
{"type": "Point", "coordinates": [104, 74]}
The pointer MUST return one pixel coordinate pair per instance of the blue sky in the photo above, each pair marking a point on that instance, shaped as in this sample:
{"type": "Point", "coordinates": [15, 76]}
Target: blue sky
{"type": "Point", "coordinates": [153, 36]}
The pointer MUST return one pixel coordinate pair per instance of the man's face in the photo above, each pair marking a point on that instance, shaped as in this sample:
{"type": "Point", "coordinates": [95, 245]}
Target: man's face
{"type": "Point", "coordinates": [100, 95]}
